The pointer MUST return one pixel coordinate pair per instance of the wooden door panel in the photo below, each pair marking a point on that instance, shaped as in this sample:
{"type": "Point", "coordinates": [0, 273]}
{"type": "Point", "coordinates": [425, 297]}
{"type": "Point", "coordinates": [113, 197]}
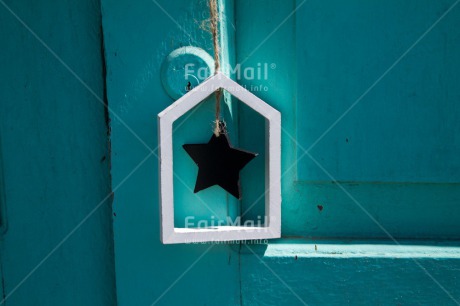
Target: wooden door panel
{"type": "Point", "coordinates": [395, 149]}
{"type": "Point", "coordinates": [138, 37]}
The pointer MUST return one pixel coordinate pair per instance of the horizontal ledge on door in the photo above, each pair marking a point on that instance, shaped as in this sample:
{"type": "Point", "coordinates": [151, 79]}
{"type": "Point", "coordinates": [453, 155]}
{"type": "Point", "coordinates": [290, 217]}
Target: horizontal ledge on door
{"type": "Point", "coordinates": [303, 248]}
{"type": "Point", "coordinates": [319, 182]}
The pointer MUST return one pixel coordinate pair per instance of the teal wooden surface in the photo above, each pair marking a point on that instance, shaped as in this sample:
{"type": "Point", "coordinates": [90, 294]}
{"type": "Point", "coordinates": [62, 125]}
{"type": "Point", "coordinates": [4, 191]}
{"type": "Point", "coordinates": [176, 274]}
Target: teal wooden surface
{"type": "Point", "coordinates": [406, 129]}
{"type": "Point", "coordinates": [350, 273]}
{"type": "Point", "coordinates": [55, 156]}
{"type": "Point", "coordinates": [417, 211]}
{"type": "Point", "coordinates": [278, 52]}
{"type": "Point", "coordinates": [138, 37]}
{"type": "Point", "coordinates": [396, 150]}
{"type": "Point", "coordinates": [400, 161]}
{"type": "Point", "coordinates": [3, 220]}
{"type": "Point", "coordinates": [3, 225]}
{"type": "Point", "coordinates": [416, 196]}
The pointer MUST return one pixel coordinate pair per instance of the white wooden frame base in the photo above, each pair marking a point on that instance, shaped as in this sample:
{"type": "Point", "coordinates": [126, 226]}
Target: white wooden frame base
{"type": "Point", "coordinates": [170, 234]}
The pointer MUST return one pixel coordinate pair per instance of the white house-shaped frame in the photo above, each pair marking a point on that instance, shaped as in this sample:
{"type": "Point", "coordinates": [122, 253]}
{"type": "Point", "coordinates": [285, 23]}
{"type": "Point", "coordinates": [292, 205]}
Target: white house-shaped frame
{"type": "Point", "coordinates": [272, 228]}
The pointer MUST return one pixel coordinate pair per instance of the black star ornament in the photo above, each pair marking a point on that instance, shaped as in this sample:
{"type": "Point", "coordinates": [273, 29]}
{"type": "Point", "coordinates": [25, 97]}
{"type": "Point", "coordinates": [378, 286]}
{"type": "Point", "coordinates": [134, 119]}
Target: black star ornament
{"type": "Point", "coordinates": [219, 164]}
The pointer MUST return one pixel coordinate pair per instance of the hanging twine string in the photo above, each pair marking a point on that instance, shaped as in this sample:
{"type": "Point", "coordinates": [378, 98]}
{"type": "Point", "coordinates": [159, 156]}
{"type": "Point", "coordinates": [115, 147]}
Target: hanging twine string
{"type": "Point", "coordinates": [215, 33]}
{"type": "Point", "coordinates": [214, 20]}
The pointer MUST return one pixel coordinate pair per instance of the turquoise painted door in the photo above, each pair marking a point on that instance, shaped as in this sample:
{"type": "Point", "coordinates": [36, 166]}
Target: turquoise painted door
{"type": "Point", "coordinates": [369, 103]}
{"type": "Point", "coordinates": [369, 95]}
{"type": "Point", "coordinates": [138, 38]}
{"type": "Point", "coordinates": [56, 244]}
